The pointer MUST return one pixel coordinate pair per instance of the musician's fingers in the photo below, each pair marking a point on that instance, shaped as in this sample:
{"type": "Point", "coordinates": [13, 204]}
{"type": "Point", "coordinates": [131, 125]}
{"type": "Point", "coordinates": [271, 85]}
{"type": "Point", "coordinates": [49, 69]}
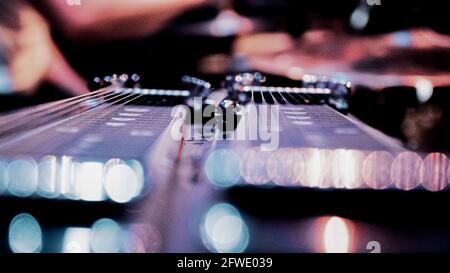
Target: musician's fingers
{"type": "Point", "coordinates": [30, 56]}
{"type": "Point", "coordinates": [63, 75]}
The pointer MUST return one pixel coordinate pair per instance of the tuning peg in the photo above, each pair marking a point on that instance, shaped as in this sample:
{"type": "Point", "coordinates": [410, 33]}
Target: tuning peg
{"type": "Point", "coordinates": [97, 83]}
{"type": "Point", "coordinates": [198, 87]}
{"type": "Point", "coordinates": [230, 111]}
{"type": "Point", "coordinates": [340, 91]}
{"type": "Point", "coordinates": [123, 79]}
{"type": "Point", "coordinates": [135, 79]}
{"type": "Point", "coordinates": [111, 79]}
{"type": "Point", "coordinates": [235, 85]}
{"type": "Point", "coordinates": [128, 81]}
{"type": "Point", "coordinates": [310, 81]}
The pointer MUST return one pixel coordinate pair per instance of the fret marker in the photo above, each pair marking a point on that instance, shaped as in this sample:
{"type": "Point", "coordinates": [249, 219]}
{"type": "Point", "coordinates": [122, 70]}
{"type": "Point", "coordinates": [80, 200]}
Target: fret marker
{"type": "Point", "coordinates": [69, 130]}
{"type": "Point", "coordinates": [123, 119]}
{"type": "Point", "coordinates": [115, 124]}
{"type": "Point", "coordinates": [294, 113]}
{"type": "Point", "coordinates": [137, 110]}
{"type": "Point", "coordinates": [130, 114]}
{"type": "Point", "coordinates": [299, 117]}
{"type": "Point", "coordinates": [303, 123]}
{"type": "Point", "coordinates": [141, 133]}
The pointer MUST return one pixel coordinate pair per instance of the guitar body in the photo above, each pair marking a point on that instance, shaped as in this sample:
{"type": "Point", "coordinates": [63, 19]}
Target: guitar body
{"type": "Point", "coordinates": [292, 171]}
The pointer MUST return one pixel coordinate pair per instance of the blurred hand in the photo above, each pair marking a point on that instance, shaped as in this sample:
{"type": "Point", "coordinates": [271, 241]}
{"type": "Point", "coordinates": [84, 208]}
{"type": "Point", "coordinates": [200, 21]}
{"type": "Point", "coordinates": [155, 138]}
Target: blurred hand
{"type": "Point", "coordinates": [33, 57]}
{"type": "Point", "coordinates": [116, 19]}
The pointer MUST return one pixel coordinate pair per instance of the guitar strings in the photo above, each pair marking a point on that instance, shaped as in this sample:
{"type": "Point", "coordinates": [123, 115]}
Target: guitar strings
{"type": "Point", "coordinates": [82, 124]}
{"type": "Point", "coordinates": [42, 117]}
{"type": "Point", "coordinates": [106, 107]}
{"type": "Point", "coordinates": [45, 107]}
{"type": "Point", "coordinates": [87, 119]}
{"type": "Point", "coordinates": [15, 120]}
{"type": "Point", "coordinates": [54, 122]}
{"type": "Point", "coordinates": [85, 123]}
{"type": "Point", "coordinates": [55, 114]}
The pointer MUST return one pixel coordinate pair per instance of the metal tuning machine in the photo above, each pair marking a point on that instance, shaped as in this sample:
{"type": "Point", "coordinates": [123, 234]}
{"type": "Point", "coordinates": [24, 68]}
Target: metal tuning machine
{"type": "Point", "coordinates": [229, 111]}
{"type": "Point", "coordinates": [337, 91]}
{"type": "Point", "coordinates": [199, 91]}
{"type": "Point", "coordinates": [123, 80]}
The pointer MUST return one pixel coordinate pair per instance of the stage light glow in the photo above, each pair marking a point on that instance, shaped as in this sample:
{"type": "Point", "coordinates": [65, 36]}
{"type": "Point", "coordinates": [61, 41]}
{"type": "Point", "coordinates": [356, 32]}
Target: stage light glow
{"type": "Point", "coordinates": [402, 38]}
{"type": "Point", "coordinates": [122, 183]}
{"type": "Point", "coordinates": [49, 173]}
{"type": "Point", "coordinates": [347, 169]}
{"type": "Point", "coordinates": [22, 177]}
{"type": "Point", "coordinates": [76, 240]}
{"type": "Point", "coordinates": [106, 237]}
{"type": "Point", "coordinates": [377, 169]}
{"type": "Point", "coordinates": [227, 23]}
{"type": "Point", "coordinates": [25, 235]}
{"type": "Point", "coordinates": [424, 89]}
{"type": "Point", "coordinates": [285, 166]}
{"type": "Point", "coordinates": [360, 17]}
{"type": "Point", "coordinates": [315, 168]}
{"type": "Point", "coordinates": [448, 174]}
{"type": "Point", "coordinates": [89, 181]}
{"type": "Point", "coordinates": [138, 169]}
{"type": "Point", "coordinates": [222, 167]}
{"type": "Point", "coordinates": [336, 236]}
{"type": "Point", "coordinates": [68, 168]}
{"type": "Point", "coordinates": [3, 177]}
{"type": "Point", "coordinates": [224, 230]}
{"type": "Point", "coordinates": [405, 170]}
{"type": "Point", "coordinates": [254, 166]}
{"type": "Point", "coordinates": [316, 162]}
{"type": "Point", "coordinates": [433, 172]}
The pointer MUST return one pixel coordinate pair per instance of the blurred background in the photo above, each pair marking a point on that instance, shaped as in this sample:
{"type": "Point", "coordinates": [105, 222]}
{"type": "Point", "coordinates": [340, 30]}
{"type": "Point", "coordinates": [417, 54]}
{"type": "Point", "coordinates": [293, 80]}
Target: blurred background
{"type": "Point", "coordinates": [396, 54]}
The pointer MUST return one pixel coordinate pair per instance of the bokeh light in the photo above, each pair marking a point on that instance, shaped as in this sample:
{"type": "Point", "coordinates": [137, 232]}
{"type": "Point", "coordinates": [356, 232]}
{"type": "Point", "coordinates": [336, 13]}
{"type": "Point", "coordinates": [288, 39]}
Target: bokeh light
{"type": "Point", "coordinates": [89, 181]}
{"type": "Point", "coordinates": [139, 171]}
{"type": "Point", "coordinates": [68, 168]}
{"type": "Point", "coordinates": [3, 177]}
{"type": "Point", "coordinates": [377, 169]}
{"type": "Point", "coordinates": [315, 170]}
{"type": "Point", "coordinates": [360, 17]}
{"type": "Point", "coordinates": [25, 235]}
{"type": "Point", "coordinates": [224, 230]}
{"type": "Point", "coordinates": [122, 183]}
{"type": "Point", "coordinates": [285, 166]}
{"type": "Point", "coordinates": [405, 170]}
{"type": "Point", "coordinates": [433, 172]}
{"type": "Point", "coordinates": [76, 240]}
{"type": "Point", "coordinates": [49, 173]}
{"type": "Point", "coordinates": [346, 169]}
{"type": "Point", "coordinates": [22, 177]}
{"type": "Point", "coordinates": [107, 237]}
{"type": "Point", "coordinates": [336, 236]}
{"type": "Point", "coordinates": [222, 167]}
{"type": "Point", "coordinates": [424, 89]}
{"type": "Point", "coordinates": [254, 166]}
